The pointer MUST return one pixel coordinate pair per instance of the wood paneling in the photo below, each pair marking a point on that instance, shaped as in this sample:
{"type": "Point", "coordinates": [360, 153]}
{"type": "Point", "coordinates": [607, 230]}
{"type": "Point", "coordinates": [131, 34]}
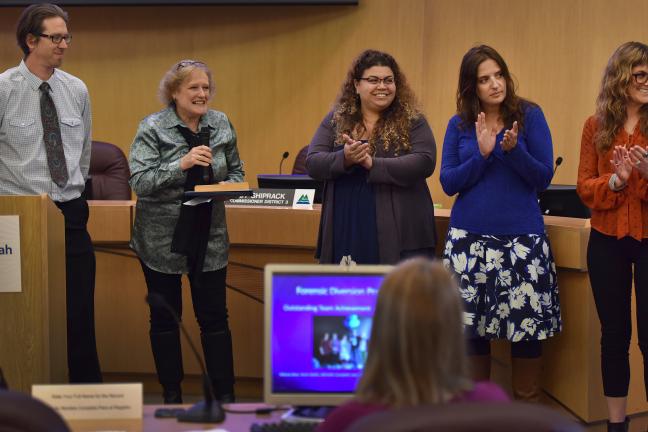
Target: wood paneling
{"type": "Point", "coordinates": [278, 69]}
{"type": "Point", "coordinates": [32, 322]}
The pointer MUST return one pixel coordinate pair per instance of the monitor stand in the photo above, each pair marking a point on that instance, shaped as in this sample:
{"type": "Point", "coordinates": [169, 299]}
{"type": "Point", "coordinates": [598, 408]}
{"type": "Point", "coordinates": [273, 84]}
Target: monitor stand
{"type": "Point", "coordinates": [307, 413]}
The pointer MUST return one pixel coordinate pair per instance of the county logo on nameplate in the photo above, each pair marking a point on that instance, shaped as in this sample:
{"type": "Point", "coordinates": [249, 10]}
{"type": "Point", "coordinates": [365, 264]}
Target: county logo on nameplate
{"type": "Point", "coordinates": [10, 254]}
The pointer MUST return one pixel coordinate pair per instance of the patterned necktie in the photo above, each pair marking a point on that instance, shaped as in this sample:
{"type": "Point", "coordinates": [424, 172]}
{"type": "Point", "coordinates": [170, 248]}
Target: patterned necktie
{"type": "Point", "coordinates": [52, 138]}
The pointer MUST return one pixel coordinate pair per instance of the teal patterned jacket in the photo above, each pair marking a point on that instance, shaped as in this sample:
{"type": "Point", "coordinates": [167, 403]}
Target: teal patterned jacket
{"type": "Point", "coordinates": [158, 182]}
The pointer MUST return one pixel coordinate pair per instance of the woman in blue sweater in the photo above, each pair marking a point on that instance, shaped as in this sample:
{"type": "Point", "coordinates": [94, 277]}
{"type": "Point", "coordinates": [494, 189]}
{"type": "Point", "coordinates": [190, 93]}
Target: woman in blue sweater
{"type": "Point", "coordinates": [497, 155]}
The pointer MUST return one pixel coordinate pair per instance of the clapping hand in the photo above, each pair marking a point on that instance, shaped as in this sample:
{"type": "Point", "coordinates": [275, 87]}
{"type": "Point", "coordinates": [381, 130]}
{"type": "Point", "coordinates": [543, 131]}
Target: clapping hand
{"type": "Point", "coordinates": [485, 137]}
{"type": "Point", "coordinates": [510, 138]}
{"type": "Point", "coordinates": [621, 164]}
{"type": "Point", "coordinates": [639, 159]}
{"type": "Point", "coordinates": [355, 152]}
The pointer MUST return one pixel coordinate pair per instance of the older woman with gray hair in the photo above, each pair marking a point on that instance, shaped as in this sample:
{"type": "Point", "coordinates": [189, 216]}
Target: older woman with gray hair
{"type": "Point", "coordinates": [175, 149]}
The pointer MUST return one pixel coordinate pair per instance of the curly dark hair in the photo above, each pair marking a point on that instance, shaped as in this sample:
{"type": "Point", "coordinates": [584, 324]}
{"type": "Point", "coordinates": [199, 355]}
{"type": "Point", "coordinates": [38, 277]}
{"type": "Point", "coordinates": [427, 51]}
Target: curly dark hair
{"type": "Point", "coordinates": [468, 105]}
{"type": "Point", "coordinates": [393, 126]}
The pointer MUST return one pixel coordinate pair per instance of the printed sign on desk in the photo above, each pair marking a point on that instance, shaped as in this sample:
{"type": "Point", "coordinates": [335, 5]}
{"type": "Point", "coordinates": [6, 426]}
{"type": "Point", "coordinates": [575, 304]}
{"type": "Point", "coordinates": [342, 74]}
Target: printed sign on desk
{"type": "Point", "coordinates": [10, 254]}
{"type": "Point", "coordinates": [92, 401]}
{"type": "Point", "coordinates": [295, 198]}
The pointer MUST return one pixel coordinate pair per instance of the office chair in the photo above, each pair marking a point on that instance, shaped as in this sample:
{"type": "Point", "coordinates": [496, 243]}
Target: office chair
{"type": "Point", "coordinates": [299, 167]}
{"type": "Point", "coordinates": [22, 413]}
{"type": "Point", "coordinates": [109, 173]}
{"type": "Point", "coordinates": [468, 417]}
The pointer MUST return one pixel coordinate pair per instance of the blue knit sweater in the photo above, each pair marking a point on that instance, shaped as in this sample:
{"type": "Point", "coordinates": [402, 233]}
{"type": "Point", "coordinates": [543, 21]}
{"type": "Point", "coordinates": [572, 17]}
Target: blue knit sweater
{"type": "Point", "coordinates": [498, 195]}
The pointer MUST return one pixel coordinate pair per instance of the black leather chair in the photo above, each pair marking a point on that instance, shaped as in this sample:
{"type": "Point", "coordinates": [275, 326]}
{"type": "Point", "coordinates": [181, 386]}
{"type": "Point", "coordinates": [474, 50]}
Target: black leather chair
{"type": "Point", "coordinates": [22, 413]}
{"type": "Point", "coordinates": [299, 167]}
{"type": "Point", "coordinates": [109, 173]}
{"type": "Point", "coordinates": [469, 417]}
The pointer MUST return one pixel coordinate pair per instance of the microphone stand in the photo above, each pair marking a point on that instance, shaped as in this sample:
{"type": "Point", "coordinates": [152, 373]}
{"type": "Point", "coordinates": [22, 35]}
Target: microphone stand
{"type": "Point", "coordinates": [209, 410]}
{"type": "Point", "coordinates": [283, 158]}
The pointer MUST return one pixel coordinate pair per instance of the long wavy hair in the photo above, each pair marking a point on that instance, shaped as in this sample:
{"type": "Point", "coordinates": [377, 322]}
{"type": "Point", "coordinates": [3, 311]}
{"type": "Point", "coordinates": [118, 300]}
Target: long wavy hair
{"type": "Point", "coordinates": [613, 97]}
{"type": "Point", "coordinates": [392, 129]}
{"type": "Point", "coordinates": [468, 104]}
{"type": "Point", "coordinates": [416, 354]}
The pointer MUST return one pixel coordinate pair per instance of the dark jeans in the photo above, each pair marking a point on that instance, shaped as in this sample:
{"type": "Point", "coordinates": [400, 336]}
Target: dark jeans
{"type": "Point", "coordinates": [83, 363]}
{"type": "Point", "coordinates": [209, 300]}
{"type": "Point", "coordinates": [611, 262]}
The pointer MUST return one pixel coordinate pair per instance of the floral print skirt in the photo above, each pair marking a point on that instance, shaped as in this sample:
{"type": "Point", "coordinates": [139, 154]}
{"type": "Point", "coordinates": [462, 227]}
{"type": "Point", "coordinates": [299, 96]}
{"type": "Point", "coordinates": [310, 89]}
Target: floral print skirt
{"type": "Point", "coordinates": [508, 284]}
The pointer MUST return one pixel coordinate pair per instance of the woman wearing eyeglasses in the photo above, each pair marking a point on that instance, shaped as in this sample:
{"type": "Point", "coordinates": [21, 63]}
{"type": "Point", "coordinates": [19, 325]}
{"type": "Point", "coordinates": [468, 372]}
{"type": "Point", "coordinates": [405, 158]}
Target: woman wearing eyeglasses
{"type": "Point", "coordinates": [612, 182]}
{"type": "Point", "coordinates": [183, 145]}
{"type": "Point", "coordinates": [497, 154]}
{"type": "Point", "coordinates": [374, 150]}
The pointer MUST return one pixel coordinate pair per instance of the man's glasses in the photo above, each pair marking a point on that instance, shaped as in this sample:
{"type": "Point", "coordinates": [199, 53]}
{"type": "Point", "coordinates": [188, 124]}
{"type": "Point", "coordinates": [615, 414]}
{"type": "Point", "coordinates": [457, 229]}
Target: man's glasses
{"type": "Point", "coordinates": [374, 80]}
{"type": "Point", "coordinates": [640, 77]}
{"type": "Point", "coordinates": [57, 38]}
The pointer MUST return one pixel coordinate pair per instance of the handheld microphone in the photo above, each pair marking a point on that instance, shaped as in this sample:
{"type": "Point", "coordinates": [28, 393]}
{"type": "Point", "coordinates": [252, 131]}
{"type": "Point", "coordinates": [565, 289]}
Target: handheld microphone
{"type": "Point", "coordinates": [209, 410]}
{"type": "Point", "coordinates": [283, 158]}
{"type": "Point", "coordinates": [203, 139]}
{"type": "Point", "coordinates": [559, 160]}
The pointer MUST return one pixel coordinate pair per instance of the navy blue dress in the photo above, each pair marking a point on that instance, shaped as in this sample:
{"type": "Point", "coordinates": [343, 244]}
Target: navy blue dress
{"type": "Point", "coordinates": [355, 234]}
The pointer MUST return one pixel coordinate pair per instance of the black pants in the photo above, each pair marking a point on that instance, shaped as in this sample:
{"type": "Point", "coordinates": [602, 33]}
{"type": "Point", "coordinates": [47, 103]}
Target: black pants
{"type": "Point", "coordinates": [209, 300]}
{"type": "Point", "coordinates": [83, 363]}
{"type": "Point", "coordinates": [611, 263]}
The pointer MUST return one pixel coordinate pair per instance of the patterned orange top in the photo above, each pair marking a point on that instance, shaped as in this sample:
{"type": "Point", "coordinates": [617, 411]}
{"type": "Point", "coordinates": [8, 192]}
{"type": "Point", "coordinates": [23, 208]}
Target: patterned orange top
{"type": "Point", "coordinates": [620, 214]}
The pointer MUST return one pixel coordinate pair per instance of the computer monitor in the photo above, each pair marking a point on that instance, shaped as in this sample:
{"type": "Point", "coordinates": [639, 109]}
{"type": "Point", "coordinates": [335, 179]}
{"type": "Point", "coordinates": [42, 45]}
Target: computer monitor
{"type": "Point", "coordinates": [562, 200]}
{"type": "Point", "coordinates": [317, 327]}
{"type": "Point", "coordinates": [291, 181]}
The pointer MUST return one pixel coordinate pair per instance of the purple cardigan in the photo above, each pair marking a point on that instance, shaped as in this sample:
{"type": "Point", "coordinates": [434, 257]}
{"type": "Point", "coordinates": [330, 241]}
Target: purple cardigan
{"type": "Point", "coordinates": [345, 415]}
{"type": "Point", "coordinates": [404, 208]}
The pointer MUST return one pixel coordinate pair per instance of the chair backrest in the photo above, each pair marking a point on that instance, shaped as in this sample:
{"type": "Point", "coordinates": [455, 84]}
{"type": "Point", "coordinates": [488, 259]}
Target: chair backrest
{"type": "Point", "coordinates": [109, 173]}
{"type": "Point", "coordinates": [299, 167]}
{"type": "Point", "coordinates": [22, 413]}
{"type": "Point", "coordinates": [469, 417]}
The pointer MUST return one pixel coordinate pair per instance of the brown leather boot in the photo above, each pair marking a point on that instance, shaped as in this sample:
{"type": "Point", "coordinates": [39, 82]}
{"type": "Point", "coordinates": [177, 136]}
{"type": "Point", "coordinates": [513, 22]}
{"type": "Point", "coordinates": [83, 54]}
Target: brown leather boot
{"type": "Point", "coordinates": [526, 378]}
{"type": "Point", "coordinates": [480, 367]}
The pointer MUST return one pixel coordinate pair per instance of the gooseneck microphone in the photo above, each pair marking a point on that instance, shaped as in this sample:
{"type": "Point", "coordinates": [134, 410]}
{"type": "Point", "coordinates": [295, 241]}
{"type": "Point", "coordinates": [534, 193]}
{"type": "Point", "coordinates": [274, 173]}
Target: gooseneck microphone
{"type": "Point", "coordinates": [283, 158]}
{"type": "Point", "coordinates": [209, 410]}
{"type": "Point", "coordinates": [559, 160]}
{"type": "Point", "coordinates": [203, 139]}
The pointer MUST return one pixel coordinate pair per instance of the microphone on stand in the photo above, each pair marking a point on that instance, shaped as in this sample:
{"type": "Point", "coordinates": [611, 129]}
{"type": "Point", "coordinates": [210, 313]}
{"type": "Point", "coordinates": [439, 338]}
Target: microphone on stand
{"type": "Point", "coordinates": [209, 410]}
{"type": "Point", "coordinates": [203, 139]}
{"type": "Point", "coordinates": [283, 158]}
{"type": "Point", "coordinates": [559, 160]}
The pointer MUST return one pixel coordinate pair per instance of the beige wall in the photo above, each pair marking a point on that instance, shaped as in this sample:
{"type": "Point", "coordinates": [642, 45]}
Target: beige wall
{"type": "Point", "coordinates": [278, 69]}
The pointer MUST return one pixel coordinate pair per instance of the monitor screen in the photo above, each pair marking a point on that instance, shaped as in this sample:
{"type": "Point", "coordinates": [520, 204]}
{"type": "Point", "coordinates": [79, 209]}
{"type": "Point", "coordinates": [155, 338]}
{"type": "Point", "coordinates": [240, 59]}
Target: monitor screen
{"type": "Point", "coordinates": [562, 200]}
{"type": "Point", "coordinates": [317, 327]}
{"type": "Point", "coordinates": [291, 181]}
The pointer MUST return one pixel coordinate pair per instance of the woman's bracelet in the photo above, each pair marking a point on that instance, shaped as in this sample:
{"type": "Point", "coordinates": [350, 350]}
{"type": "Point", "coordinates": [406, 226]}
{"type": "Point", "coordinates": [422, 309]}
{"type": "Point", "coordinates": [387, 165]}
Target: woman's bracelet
{"type": "Point", "coordinates": [612, 183]}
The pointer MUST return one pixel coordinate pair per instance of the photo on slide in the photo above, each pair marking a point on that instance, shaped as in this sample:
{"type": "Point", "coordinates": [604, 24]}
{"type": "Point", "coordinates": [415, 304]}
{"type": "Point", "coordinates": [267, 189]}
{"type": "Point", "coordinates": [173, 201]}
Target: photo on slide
{"type": "Point", "coordinates": [340, 341]}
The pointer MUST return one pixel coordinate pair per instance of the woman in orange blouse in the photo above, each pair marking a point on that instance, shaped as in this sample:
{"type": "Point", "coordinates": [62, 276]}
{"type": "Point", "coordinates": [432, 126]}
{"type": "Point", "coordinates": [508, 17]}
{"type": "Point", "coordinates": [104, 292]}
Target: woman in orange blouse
{"type": "Point", "coordinates": [612, 182]}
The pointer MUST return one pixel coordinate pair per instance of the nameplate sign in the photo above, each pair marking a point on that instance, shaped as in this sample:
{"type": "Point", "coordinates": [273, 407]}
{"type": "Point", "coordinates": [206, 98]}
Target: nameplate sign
{"type": "Point", "coordinates": [92, 401]}
{"type": "Point", "coordinates": [10, 254]}
{"type": "Point", "coordinates": [291, 198]}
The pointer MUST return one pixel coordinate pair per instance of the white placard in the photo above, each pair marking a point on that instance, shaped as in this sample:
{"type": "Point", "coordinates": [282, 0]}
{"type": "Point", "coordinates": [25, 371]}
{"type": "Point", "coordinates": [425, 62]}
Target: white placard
{"type": "Point", "coordinates": [92, 401]}
{"type": "Point", "coordinates": [10, 254]}
{"type": "Point", "coordinates": [303, 199]}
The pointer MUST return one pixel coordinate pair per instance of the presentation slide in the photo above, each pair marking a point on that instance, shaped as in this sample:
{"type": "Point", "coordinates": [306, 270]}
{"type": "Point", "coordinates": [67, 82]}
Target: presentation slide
{"type": "Point", "coordinates": [320, 331]}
